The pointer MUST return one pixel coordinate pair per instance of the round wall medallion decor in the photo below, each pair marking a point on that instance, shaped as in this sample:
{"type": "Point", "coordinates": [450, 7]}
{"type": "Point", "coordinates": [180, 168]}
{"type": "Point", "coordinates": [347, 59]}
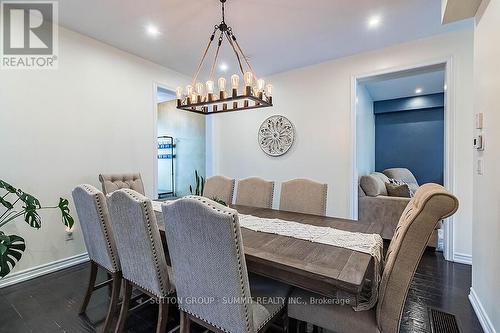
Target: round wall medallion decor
{"type": "Point", "coordinates": [276, 135]}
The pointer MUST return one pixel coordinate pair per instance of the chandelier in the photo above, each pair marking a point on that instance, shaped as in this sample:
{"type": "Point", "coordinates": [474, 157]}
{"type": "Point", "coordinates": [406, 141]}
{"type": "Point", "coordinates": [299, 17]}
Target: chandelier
{"type": "Point", "coordinates": [202, 98]}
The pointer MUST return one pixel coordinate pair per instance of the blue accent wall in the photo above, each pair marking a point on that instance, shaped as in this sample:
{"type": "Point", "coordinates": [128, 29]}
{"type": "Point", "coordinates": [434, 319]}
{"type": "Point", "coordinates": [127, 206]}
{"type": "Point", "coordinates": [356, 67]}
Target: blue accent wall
{"type": "Point", "coordinates": [409, 133]}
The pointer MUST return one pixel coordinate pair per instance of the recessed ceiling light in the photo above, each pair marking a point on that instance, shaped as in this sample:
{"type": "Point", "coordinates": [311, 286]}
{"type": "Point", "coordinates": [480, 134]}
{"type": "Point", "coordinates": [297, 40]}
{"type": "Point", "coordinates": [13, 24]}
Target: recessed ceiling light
{"type": "Point", "coordinates": [223, 67]}
{"type": "Point", "coordinates": [374, 21]}
{"type": "Point", "coordinates": [418, 91]}
{"type": "Point", "coordinates": [153, 30]}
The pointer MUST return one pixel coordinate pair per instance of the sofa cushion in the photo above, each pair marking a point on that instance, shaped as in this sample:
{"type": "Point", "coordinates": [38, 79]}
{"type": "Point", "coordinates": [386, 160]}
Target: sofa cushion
{"type": "Point", "coordinates": [395, 190]}
{"type": "Point", "coordinates": [380, 176]}
{"type": "Point", "coordinates": [373, 185]}
{"type": "Point", "coordinates": [401, 174]}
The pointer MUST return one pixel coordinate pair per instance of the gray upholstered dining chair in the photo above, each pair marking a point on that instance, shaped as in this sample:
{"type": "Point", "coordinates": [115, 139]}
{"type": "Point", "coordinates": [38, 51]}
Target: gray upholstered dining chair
{"type": "Point", "coordinates": [98, 236]}
{"type": "Point", "coordinates": [255, 192]}
{"type": "Point", "coordinates": [140, 249]}
{"type": "Point", "coordinates": [431, 204]}
{"type": "Point", "coordinates": [113, 182]}
{"type": "Point", "coordinates": [303, 196]}
{"type": "Point", "coordinates": [219, 187]}
{"type": "Point", "coordinates": [205, 246]}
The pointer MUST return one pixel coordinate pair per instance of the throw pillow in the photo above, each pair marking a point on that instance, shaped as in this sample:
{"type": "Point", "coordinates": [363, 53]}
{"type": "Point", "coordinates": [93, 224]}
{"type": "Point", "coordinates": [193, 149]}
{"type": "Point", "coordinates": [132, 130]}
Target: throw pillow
{"type": "Point", "coordinates": [394, 181]}
{"type": "Point", "coordinates": [402, 191]}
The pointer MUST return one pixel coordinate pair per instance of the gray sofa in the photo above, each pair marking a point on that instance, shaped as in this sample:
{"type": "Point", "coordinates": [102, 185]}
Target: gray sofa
{"type": "Point", "coordinates": [376, 207]}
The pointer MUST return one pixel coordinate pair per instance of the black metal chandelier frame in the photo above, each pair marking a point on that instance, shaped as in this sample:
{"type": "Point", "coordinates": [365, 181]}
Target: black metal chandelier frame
{"type": "Point", "coordinates": [251, 98]}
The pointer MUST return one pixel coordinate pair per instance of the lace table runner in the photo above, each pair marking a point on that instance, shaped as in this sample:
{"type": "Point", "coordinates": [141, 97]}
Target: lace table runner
{"type": "Point", "coordinates": [371, 244]}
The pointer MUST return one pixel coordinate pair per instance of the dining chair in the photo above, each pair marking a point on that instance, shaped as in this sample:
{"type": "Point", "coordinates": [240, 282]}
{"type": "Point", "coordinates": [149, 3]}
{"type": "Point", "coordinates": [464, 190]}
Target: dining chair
{"type": "Point", "coordinates": [219, 187]}
{"type": "Point", "coordinates": [303, 196]}
{"type": "Point", "coordinates": [113, 182]}
{"type": "Point", "coordinates": [431, 204]}
{"type": "Point", "coordinates": [208, 262]}
{"type": "Point", "coordinates": [94, 220]}
{"type": "Point", "coordinates": [255, 192]}
{"type": "Point", "coordinates": [140, 249]}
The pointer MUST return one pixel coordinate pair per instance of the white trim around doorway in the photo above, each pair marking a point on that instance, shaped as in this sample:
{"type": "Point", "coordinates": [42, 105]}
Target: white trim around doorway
{"type": "Point", "coordinates": [449, 158]}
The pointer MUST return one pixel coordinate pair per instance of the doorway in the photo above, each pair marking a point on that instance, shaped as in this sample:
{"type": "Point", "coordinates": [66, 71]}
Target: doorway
{"type": "Point", "coordinates": [401, 120]}
{"type": "Point", "coordinates": [180, 143]}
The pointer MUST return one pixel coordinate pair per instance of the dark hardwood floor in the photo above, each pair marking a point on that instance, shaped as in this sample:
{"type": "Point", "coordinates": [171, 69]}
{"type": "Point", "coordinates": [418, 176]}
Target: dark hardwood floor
{"type": "Point", "coordinates": [50, 303]}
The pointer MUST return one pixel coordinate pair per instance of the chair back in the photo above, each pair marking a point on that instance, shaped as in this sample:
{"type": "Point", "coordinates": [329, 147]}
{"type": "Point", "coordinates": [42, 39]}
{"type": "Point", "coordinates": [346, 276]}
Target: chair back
{"type": "Point", "coordinates": [255, 192]}
{"type": "Point", "coordinates": [204, 242]}
{"type": "Point", "coordinates": [138, 242]}
{"type": "Point", "coordinates": [113, 182]}
{"type": "Point", "coordinates": [93, 215]}
{"type": "Point", "coordinates": [431, 204]}
{"type": "Point", "coordinates": [219, 187]}
{"type": "Point", "coordinates": [303, 196]}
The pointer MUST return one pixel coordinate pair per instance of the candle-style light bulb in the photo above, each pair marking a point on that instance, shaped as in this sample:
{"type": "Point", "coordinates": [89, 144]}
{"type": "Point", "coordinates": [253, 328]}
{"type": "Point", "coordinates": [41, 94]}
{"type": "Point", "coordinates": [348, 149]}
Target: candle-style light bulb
{"type": "Point", "coordinates": [222, 84]}
{"type": "Point", "coordinates": [178, 92]}
{"type": "Point", "coordinates": [199, 88]}
{"type": "Point", "coordinates": [248, 77]}
{"type": "Point", "coordinates": [235, 81]}
{"type": "Point", "coordinates": [189, 90]}
{"type": "Point", "coordinates": [210, 87]}
{"type": "Point", "coordinates": [261, 84]}
{"type": "Point", "coordinates": [269, 90]}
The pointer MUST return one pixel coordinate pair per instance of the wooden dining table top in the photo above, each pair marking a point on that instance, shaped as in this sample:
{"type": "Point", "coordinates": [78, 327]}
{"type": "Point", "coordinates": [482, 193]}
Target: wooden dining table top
{"type": "Point", "coordinates": [324, 269]}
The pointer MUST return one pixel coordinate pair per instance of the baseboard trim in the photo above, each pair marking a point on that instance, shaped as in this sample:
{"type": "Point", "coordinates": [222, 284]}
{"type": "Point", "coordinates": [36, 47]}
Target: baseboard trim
{"type": "Point", "coordinates": [462, 258]}
{"type": "Point", "coordinates": [37, 271]}
{"type": "Point", "coordinates": [481, 314]}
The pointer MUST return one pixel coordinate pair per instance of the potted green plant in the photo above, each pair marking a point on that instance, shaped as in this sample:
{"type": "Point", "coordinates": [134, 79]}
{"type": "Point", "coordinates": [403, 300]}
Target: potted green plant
{"type": "Point", "coordinates": [18, 203]}
{"type": "Point", "coordinates": [200, 188]}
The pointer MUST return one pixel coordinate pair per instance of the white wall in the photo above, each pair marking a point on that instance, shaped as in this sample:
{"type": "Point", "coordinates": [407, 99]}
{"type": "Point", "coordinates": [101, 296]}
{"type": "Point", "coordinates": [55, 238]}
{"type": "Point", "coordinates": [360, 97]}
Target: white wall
{"type": "Point", "coordinates": [60, 128]}
{"type": "Point", "coordinates": [317, 99]}
{"type": "Point", "coordinates": [365, 132]}
{"type": "Point", "coordinates": [486, 232]}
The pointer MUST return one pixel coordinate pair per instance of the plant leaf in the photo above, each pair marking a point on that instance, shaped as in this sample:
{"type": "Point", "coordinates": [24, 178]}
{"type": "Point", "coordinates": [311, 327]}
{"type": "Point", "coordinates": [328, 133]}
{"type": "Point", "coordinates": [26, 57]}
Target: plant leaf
{"type": "Point", "coordinates": [32, 218]}
{"type": "Point", "coordinates": [11, 251]}
{"type": "Point", "coordinates": [6, 186]}
{"type": "Point", "coordinates": [6, 204]}
{"type": "Point", "coordinates": [30, 201]}
{"type": "Point", "coordinates": [66, 216]}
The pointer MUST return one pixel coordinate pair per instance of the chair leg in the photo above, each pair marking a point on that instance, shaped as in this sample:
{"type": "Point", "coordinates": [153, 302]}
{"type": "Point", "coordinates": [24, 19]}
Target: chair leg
{"type": "Point", "coordinates": [302, 327]}
{"type": "Point", "coordinates": [315, 329]}
{"type": "Point", "coordinates": [292, 325]}
{"type": "Point", "coordinates": [185, 323]}
{"type": "Point", "coordinates": [286, 322]}
{"type": "Point", "coordinates": [161, 326]}
{"type": "Point", "coordinates": [115, 295]}
{"type": "Point", "coordinates": [127, 293]}
{"type": "Point", "coordinates": [110, 288]}
{"type": "Point", "coordinates": [90, 287]}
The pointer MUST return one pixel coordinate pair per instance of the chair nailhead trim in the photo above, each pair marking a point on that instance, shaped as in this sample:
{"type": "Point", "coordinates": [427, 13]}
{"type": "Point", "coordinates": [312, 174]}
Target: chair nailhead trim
{"type": "Point", "coordinates": [104, 227]}
{"type": "Point", "coordinates": [159, 276]}
{"type": "Point", "coordinates": [237, 242]}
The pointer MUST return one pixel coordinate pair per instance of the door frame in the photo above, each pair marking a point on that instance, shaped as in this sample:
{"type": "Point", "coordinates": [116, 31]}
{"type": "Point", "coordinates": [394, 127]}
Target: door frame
{"type": "Point", "coordinates": [156, 85]}
{"type": "Point", "coordinates": [449, 135]}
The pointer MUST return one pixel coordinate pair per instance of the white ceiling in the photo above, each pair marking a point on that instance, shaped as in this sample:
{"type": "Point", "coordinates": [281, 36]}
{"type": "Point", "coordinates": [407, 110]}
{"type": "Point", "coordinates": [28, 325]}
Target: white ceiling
{"type": "Point", "coordinates": [278, 35]}
{"type": "Point", "coordinates": [405, 86]}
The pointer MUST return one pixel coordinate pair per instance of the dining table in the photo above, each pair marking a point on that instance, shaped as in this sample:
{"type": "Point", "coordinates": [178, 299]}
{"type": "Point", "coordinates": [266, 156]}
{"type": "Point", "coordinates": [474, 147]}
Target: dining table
{"type": "Point", "coordinates": [327, 270]}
